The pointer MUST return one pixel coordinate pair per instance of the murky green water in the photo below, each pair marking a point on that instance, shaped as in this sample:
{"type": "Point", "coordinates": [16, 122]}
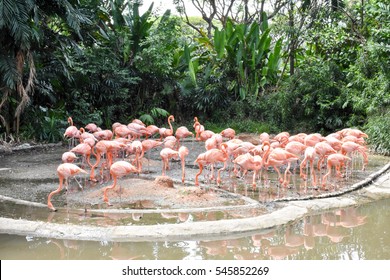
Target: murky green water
{"type": "Point", "coordinates": [353, 233]}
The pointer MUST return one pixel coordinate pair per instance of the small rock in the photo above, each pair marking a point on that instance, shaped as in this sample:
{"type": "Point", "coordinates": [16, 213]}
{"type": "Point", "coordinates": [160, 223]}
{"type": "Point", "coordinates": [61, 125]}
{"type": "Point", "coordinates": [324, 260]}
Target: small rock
{"type": "Point", "coordinates": [23, 146]}
{"type": "Point", "coordinates": [164, 181]}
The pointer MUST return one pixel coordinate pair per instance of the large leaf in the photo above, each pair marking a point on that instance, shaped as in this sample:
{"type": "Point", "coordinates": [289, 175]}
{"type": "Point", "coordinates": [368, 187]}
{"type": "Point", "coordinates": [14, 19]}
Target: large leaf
{"type": "Point", "coordinates": [192, 71]}
{"type": "Point", "coordinates": [219, 42]}
{"type": "Point", "coordinates": [274, 59]}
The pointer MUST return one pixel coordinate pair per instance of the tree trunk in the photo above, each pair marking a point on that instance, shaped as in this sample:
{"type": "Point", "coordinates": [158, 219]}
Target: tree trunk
{"type": "Point", "coordinates": [292, 38]}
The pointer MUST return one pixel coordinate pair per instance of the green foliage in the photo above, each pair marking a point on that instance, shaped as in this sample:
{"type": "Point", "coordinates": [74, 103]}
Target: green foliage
{"type": "Point", "coordinates": [154, 114]}
{"type": "Point", "coordinates": [101, 91]}
{"type": "Point", "coordinates": [117, 64]}
{"type": "Point", "coordinates": [378, 130]}
{"type": "Point", "coordinates": [240, 126]}
{"type": "Point", "coordinates": [237, 64]}
{"type": "Point", "coordinates": [311, 100]}
{"type": "Point", "coordinates": [44, 124]}
{"type": "Point", "coordinates": [369, 87]}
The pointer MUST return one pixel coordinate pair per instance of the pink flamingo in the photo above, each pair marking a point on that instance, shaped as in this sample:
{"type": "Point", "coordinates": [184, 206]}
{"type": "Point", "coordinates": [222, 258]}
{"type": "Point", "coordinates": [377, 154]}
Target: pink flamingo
{"type": "Point", "coordinates": [164, 132]}
{"type": "Point", "coordinates": [71, 131]}
{"type": "Point", "coordinates": [108, 147]}
{"type": "Point", "coordinates": [336, 160]}
{"type": "Point", "coordinates": [206, 134]}
{"type": "Point", "coordinates": [278, 157]}
{"type": "Point", "coordinates": [349, 147]}
{"type": "Point", "coordinates": [166, 154]}
{"type": "Point", "coordinates": [249, 162]}
{"type": "Point", "coordinates": [103, 134]}
{"type": "Point", "coordinates": [228, 133]}
{"type": "Point", "coordinates": [310, 155]}
{"type": "Point", "coordinates": [121, 130]}
{"type": "Point", "coordinates": [183, 152]}
{"type": "Point", "coordinates": [64, 171]}
{"type": "Point", "coordinates": [91, 127]}
{"type": "Point", "coordinates": [323, 149]}
{"type": "Point", "coordinates": [84, 150]}
{"type": "Point", "coordinates": [198, 128]}
{"type": "Point", "coordinates": [313, 139]}
{"type": "Point", "coordinates": [211, 157]}
{"type": "Point", "coordinates": [152, 129]}
{"type": "Point", "coordinates": [181, 133]}
{"type": "Point", "coordinates": [118, 169]}
{"type": "Point", "coordinates": [137, 149]}
{"type": "Point", "coordinates": [137, 130]}
{"type": "Point", "coordinates": [68, 157]}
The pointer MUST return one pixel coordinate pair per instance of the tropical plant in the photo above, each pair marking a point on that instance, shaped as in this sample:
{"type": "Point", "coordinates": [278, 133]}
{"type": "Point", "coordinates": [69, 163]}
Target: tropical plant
{"type": "Point", "coordinates": [311, 100]}
{"type": "Point", "coordinates": [25, 28]}
{"type": "Point", "coordinates": [238, 63]}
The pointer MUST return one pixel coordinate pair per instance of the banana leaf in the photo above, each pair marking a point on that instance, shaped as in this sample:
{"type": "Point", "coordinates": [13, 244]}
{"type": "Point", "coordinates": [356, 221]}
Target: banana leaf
{"type": "Point", "coordinates": [219, 42]}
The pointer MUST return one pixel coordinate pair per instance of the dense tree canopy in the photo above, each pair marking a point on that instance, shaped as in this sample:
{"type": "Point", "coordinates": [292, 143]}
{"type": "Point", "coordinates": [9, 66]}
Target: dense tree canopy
{"type": "Point", "coordinates": [255, 65]}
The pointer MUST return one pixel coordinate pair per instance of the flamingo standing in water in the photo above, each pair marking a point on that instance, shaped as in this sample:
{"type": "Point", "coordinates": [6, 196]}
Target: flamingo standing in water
{"type": "Point", "coordinates": [64, 171]}
{"type": "Point", "coordinates": [108, 147]}
{"type": "Point", "coordinates": [336, 160]}
{"type": "Point", "coordinates": [118, 169]}
{"type": "Point", "coordinates": [323, 149]}
{"type": "Point", "coordinates": [347, 148]}
{"type": "Point", "coordinates": [249, 162]}
{"type": "Point", "coordinates": [278, 157]}
{"type": "Point", "coordinates": [211, 157]}
{"type": "Point", "coordinates": [310, 155]}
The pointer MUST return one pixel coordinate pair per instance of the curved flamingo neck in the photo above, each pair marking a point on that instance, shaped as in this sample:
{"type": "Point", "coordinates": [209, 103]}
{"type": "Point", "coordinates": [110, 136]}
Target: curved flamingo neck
{"type": "Point", "coordinates": [224, 150]}
{"type": "Point", "coordinates": [266, 155]}
{"type": "Point", "coordinates": [169, 122]}
{"type": "Point", "coordinates": [70, 121]}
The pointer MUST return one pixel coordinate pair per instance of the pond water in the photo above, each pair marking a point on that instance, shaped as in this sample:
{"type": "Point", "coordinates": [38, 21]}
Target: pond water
{"type": "Point", "coordinates": [352, 233]}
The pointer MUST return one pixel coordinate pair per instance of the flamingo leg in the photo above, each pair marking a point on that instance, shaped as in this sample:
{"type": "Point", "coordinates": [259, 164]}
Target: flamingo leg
{"type": "Point", "coordinates": [219, 173]}
{"type": "Point", "coordinates": [183, 172]}
{"type": "Point", "coordinates": [92, 175]}
{"type": "Point", "coordinates": [301, 174]}
{"type": "Point", "coordinates": [197, 174]}
{"type": "Point", "coordinates": [326, 175]}
{"type": "Point", "coordinates": [313, 173]}
{"type": "Point", "coordinates": [287, 177]}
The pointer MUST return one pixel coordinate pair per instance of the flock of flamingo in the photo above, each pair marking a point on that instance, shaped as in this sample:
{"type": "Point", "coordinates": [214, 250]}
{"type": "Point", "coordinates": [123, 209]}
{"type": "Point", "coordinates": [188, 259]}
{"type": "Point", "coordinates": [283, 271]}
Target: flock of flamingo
{"type": "Point", "coordinates": [134, 140]}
